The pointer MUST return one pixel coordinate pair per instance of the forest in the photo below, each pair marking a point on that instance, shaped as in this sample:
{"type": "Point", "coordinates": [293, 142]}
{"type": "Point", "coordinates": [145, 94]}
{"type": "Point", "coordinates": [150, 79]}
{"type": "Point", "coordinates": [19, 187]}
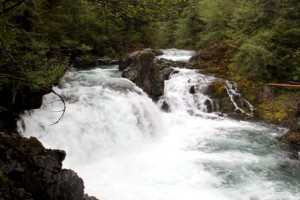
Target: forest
{"type": "Point", "coordinates": [39, 38]}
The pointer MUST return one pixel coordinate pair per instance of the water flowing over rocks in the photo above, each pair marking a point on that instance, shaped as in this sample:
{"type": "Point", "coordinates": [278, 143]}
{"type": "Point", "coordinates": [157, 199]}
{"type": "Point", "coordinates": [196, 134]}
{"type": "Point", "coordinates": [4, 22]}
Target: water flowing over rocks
{"type": "Point", "coordinates": [226, 99]}
{"type": "Point", "coordinates": [147, 72]}
{"type": "Point", "coordinates": [29, 172]}
{"type": "Point", "coordinates": [272, 105]}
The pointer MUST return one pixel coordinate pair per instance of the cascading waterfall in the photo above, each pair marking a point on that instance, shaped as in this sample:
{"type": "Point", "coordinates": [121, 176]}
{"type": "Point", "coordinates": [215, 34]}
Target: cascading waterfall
{"type": "Point", "coordinates": [176, 54]}
{"type": "Point", "coordinates": [125, 148]}
{"type": "Point", "coordinates": [231, 89]}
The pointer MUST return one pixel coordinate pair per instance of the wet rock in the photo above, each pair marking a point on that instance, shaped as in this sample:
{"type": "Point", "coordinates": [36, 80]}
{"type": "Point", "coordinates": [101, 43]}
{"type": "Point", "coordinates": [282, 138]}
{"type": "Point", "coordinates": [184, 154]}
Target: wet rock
{"type": "Point", "coordinates": [86, 197]}
{"type": "Point", "coordinates": [165, 107]}
{"type": "Point", "coordinates": [29, 171]}
{"type": "Point", "coordinates": [192, 90]}
{"type": "Point", "coordinates": [140, 68]}
{"type": "Point", "coordinates": [209, 106]}
{"type": "Point", "coordinates": [218, 91]}
{"type": "Point", "coordinates": [147, 72]}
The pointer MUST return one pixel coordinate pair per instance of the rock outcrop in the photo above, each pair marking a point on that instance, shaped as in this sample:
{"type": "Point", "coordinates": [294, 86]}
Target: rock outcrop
{"type": "Point", "coordinates": [15, 102]}
{"type": "Point", "coordinates": [226, 99]}
{"type": "Point", "coordinates": [145, 71]}
{"type": "Point", "coordinates": [31, 172]}
{"type": "Point", "coordinates": [140, 68]}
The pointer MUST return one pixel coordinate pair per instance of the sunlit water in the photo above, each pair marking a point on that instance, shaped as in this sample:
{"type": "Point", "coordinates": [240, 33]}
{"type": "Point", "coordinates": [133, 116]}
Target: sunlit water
{"type": "Point", "coordinates": [125, 148]}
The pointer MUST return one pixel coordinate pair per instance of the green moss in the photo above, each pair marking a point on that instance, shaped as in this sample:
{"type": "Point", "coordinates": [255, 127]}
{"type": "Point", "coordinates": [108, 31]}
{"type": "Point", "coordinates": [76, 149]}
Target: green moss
{"type": "Point", "coordinates": [281, 109]}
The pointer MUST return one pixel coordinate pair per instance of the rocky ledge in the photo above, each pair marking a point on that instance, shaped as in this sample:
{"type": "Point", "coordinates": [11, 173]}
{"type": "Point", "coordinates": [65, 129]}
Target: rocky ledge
{"type": "Point", "coordinates": [29, 171]}
{"type": "Point", "coordinates": [147, 72]}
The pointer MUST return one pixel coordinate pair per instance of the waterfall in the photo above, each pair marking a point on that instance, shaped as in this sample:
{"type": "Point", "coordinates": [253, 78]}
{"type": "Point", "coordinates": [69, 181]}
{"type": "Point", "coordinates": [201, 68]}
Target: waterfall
{"type": "Point", "coordinates": [178, 93]}
{"type": "Point", "coordinates": [176, 54]}
{"type": "Point", "coordinates": [232, 92]}
{"type": "Point", "coordinates": [125, 148]}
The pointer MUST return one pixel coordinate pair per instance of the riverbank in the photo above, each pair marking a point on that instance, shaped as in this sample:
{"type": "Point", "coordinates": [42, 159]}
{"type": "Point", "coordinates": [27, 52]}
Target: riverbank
{"type": "Point", "coordinates": [275, 105]}
{"type": "Point", "coordinates": [255, 101]}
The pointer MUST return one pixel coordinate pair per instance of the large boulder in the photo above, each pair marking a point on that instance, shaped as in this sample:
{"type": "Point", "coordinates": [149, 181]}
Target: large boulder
{"type": "Point", "coordinates": [140, 68]}
{"type": "Point", "coordinates": [148, 72]}
{"type": "Point", "coordinates": [29, 171]}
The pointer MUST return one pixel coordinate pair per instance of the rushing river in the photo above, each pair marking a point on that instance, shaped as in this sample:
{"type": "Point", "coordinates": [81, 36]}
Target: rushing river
{"type": "Point", "coordinates": [125, 148]}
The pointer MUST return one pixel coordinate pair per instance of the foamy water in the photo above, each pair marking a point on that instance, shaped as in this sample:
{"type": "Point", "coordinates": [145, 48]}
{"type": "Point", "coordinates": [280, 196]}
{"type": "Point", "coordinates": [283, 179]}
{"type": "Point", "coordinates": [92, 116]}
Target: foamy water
{"type": "Point", "coordinates": [125, 148]}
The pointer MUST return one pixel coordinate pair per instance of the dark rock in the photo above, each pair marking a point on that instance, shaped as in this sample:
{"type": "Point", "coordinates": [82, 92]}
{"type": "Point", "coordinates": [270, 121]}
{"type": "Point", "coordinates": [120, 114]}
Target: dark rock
{"type": "Point", "coordinates": [140, 68]}
{"type": "Point", "coordinates": [209, 106]}
{"type": "Point", "coordinates": [148, 73]}
{"type": "Point", "coordinates": [217, 91]}
{"type": "Point", "coordinates": [29, 171]}
{"type": "Point", "coordinates": [68, 186]}
{"type": "Point", "coordinates": [15, 102]}
{"type": "Point", "coordinates": [166, 73]}
{"type": "Point", "coordinates": [165, 107]}
{"type": "Point", "coordinates": [192, 90]}
{"type": "Point", "coordinates": [297, 113]}
{"type": "Point", "coordinates": [86, 197]}
{"type": "Point", "coordinates": [106, 61]}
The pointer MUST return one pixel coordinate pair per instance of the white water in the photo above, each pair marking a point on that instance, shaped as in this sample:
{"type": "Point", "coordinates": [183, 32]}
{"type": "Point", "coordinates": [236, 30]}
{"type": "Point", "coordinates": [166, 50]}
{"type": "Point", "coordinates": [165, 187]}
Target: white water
{"type": "Point", "coordinates": [176, 54]}
{"type": "Point", "coordinates": [125, 148]}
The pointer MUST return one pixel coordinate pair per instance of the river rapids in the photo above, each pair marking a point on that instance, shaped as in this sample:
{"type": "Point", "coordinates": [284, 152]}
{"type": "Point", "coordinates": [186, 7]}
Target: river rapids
{"type": "Point", "coordinates": [126, 148]}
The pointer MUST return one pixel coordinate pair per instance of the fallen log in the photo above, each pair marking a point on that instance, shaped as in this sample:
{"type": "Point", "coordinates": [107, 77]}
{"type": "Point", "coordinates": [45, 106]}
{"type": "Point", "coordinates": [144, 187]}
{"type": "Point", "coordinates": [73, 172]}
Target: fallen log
{"type": "Point", "coordinates": [284, 85]}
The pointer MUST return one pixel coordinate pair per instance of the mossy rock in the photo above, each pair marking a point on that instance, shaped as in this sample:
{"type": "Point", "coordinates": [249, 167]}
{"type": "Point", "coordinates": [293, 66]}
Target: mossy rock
{"type": "Point", "coordinates": [292, 138]}
{"type": "Point", "coordinates": [217, 89]}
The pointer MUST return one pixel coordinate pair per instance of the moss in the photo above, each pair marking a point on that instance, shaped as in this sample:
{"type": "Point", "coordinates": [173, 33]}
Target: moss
{"type": "Point", "coordinates": [217, 89]}
{"type": "Point", "coordinates": [279, 110]}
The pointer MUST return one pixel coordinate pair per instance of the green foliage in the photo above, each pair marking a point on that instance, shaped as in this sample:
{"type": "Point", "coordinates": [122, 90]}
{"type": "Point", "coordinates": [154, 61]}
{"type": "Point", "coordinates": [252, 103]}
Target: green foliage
{"type": "Point", "coordinates": [254, 57]}
{"type": "Point", "coordinates": [266, 34]}
{"type": "Point", "coordinates": [51, 74]}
